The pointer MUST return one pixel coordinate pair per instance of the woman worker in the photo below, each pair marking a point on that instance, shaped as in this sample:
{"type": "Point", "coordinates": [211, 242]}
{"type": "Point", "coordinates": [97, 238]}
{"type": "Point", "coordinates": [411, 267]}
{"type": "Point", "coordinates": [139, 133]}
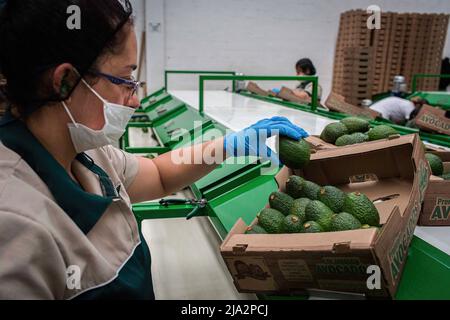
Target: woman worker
{"type": "Point", "coordinates": [66, 225]}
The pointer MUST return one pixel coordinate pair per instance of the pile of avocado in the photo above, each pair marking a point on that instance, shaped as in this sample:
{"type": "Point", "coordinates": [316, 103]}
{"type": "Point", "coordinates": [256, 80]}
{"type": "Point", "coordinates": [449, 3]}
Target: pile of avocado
{"type": "Point", "coordinates": [354, 130]}
{"type": "Point", "coordinates": [308, 208]}
{"type": "Point", "coordinates": [437, 167]}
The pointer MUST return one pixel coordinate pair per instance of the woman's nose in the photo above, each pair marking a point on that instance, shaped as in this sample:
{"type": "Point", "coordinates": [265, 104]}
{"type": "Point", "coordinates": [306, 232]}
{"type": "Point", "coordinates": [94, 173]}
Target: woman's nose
{"type": "Point", "coordinates": [134, 102]}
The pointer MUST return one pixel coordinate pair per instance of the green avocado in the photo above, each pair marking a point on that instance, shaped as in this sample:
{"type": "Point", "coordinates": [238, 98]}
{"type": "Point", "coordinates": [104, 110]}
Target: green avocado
{"type": "Point", "coordinates": [293, 224]}
{"type": "Point", "coordinates": [344, 221]}
{"type": "Point", "coordinates": [332, 197]}
{"type": "Point", "coordinates": [298, 208]}
{"type": "Point", "coordinates": [312, 227]}
{"type": "Point", "coordinates": [320, 213]}
{"type": "Point", "coordinates": [281, 201]}
{"type": "Point", "coordinates": [294, 186]}
{"type": "Point", "coordinates": [381, 132]}
{"type": "Point", "coordinates": [255, 229]}
{"type": "Point", "coordinates": [333, 131]}
{"type": "Point", "coordinates": [271, 220]}
{"type": "Point", "coordinates": [294, 154]}
{"type": "Point", "coordinates": [437, 167]}
{"type": "Point", "coordinates": [355, 124]}
{"type": "Point", "coordinates": [360, 206]}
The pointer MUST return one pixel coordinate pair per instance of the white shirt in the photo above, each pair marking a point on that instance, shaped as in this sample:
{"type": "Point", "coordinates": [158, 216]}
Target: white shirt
{"type": "Point", "coordinates": [394, 108]}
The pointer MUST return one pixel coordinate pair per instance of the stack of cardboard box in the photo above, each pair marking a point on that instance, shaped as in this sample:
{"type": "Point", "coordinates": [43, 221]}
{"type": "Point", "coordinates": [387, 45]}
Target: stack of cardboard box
{"type": "Point", "coordinates": [367, 60]}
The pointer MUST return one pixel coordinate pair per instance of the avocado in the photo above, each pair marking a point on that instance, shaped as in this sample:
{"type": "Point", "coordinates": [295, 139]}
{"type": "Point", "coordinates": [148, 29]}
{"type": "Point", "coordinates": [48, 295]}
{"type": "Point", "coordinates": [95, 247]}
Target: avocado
{"type": "Point", "coordinates": [446, 176]}
{"type": "Point", "coordinates": [355, 124]}
{"type": "Point", "coordinates": [320, 213]}
{"type": "Point", "coordinates": [332, 197]}
{"type": "Point", "coordinates": [294, 154]}
{"type": "Point", "coordinates": [333, 131]}
{"type": "Point", "coordinates": [294, 186]}
{"type": "Point", "coordinates": [312, 227]}
{"type": "Point", "coordinates": [436, 164]}
{"type": "Point", "coordinates": [271, 220]}
{"type": "Point", "coordinates": [255, 229]}
{"type": "Point", "coordinates": [350, 139]}
{"type": "Point", "coordinates": [298, 208]}
{"type": "Point", "coordinates": [281, 202]}
{"type": "Point", "coordinates": [293, 224]}
{"type": "Point", "coordinates": [381, 132]}
{"type": "Point", "coordinates": [360, 206]}
{"type": "Point", "coordinates": [344, 221]}
{"type": "Point", "coordinates": [310, 190]}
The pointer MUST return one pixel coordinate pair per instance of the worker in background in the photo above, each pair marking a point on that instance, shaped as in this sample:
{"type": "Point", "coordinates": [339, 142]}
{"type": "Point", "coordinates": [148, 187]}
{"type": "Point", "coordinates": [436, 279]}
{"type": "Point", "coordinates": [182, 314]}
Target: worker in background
{"type": "Point", "coordinates": [67, 229]}
{"type": "Point", "coordinates": [398, 110]}
{"type": "Point", "coordinates": [305, 67]}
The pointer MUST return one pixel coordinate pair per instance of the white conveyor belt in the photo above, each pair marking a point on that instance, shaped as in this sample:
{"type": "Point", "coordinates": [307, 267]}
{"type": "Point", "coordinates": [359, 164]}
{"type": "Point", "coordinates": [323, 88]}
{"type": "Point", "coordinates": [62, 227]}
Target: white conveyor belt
{"type": "Point", "coordinates": [237, 112]}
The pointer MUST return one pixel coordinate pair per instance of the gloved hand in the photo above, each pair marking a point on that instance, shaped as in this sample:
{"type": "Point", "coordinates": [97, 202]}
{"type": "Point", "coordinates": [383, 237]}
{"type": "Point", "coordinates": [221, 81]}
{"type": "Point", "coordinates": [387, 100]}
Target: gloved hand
{"type": "Point", "coordinates": [252, 140]}
{"type": "Point", "coordinates": [276, 90]}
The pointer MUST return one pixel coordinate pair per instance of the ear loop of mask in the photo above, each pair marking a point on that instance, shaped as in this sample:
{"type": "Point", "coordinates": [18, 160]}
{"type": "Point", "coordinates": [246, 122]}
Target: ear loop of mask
{"type": "Point", "coordinates": [69, 114]}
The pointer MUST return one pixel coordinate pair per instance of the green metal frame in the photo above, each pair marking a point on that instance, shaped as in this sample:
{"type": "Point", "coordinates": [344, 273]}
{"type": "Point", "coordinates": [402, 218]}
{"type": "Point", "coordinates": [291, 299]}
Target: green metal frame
{"type": "Point", "coordinates": [203, 79]}
{"type": "Point", "coordinates": [167, 72]}
{"type": "Point", "coordinates": [421, 75]}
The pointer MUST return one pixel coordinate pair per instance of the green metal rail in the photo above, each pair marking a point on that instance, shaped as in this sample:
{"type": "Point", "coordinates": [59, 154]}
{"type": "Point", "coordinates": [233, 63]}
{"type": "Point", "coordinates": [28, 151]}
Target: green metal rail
{"type": "Point", "coordinates": [422, 76]}
{"type": "Point", "coordinates": [203, 79]}
{"type": "Point", "coordinates": [167, 72]}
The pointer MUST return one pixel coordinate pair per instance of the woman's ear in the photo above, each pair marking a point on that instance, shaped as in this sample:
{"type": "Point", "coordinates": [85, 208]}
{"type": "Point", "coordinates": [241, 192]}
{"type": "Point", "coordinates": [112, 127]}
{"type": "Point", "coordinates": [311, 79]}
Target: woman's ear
{"type": "Point", "coordinates": [64, 80]}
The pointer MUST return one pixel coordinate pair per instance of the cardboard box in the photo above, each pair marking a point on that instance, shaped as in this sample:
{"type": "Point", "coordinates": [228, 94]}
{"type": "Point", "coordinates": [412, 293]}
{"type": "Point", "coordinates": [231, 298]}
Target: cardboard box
{"type": "Point", "coordinates": [341, 261]}
{"type": "Point", "coordinates": [254, 88]}
{"type": "Point", "coordinates": [318, 144]}
{"type": "Point", "coordinates": [288, 95]}
{"type": "Point", "coordinates": [436, 206]}
{"type": "Point", "coordinates": [433, 119]}
{"type": "Point", "coordinates": [337, 102]}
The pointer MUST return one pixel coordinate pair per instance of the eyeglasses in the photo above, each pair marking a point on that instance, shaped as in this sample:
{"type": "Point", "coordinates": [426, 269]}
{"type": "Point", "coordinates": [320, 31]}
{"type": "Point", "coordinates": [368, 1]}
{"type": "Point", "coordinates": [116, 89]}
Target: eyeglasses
{"type": "Point", "coordinates": [132, 84]}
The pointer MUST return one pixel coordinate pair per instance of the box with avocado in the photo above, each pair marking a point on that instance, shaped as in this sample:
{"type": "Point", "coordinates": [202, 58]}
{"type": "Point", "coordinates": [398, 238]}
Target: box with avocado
{"type": "Point", "coordinates": [333, 217]}
{"type": "Point", "coordinates": [436, 206]}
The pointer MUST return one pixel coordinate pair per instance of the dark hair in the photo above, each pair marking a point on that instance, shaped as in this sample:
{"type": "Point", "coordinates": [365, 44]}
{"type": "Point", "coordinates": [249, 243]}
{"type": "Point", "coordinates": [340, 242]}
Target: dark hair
{"type": "Point", "coordinates": [306, 66]}
{"type": "Point", "coordinates": [35, 39]}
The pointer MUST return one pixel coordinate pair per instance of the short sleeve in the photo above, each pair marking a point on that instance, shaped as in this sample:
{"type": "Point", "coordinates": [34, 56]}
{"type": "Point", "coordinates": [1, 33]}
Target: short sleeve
{"type": "Point", "coordinates": [125, 164]}
{"type": "Point", "coordinates": [32, 267]}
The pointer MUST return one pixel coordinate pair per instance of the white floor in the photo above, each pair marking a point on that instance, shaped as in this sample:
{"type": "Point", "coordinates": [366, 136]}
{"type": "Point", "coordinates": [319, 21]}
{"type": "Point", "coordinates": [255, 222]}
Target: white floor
{"type": "Point", "coordinates": [186, 262]}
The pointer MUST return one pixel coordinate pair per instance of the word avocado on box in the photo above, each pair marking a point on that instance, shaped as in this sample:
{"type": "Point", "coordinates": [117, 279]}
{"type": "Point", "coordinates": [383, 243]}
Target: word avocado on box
{"type": "Point", "coordinates": [436, 206]}
{"type": "Point", "coordinates": [344, 223]}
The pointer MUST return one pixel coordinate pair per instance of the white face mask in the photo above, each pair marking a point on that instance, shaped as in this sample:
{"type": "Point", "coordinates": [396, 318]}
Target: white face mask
{"type": "Point", "coordinates": [116, 120]}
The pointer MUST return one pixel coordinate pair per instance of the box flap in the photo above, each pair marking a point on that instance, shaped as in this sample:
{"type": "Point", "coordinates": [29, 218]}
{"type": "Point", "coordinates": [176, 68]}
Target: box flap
{"type": "Point", "coordinates": [388, 159]}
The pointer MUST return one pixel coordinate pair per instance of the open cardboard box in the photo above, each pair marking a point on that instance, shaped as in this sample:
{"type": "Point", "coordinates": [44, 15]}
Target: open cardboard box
{"type": "Point", "coordinates": [336, 102]}
{"type": "Point", "coordinates": [289, 95]}
{"type": "Point", "coordinates": [254, 88]}
{"type": "Point", "coordinates": [436, 206]}
{"type": "Point", "coordinates": [394, 174]}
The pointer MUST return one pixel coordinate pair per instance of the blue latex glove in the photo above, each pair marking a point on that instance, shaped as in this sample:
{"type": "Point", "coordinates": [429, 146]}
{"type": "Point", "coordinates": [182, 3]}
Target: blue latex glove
{"type": "Point", "coordinates": [276, 90]}
{"type": "Point", "coordinates": [252, 140]}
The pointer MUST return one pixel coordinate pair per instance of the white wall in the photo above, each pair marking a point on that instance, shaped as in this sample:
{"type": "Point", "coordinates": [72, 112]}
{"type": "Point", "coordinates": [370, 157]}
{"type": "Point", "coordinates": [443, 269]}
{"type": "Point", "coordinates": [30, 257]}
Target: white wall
{"type": "Point", "coordinates": [263, 37]}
